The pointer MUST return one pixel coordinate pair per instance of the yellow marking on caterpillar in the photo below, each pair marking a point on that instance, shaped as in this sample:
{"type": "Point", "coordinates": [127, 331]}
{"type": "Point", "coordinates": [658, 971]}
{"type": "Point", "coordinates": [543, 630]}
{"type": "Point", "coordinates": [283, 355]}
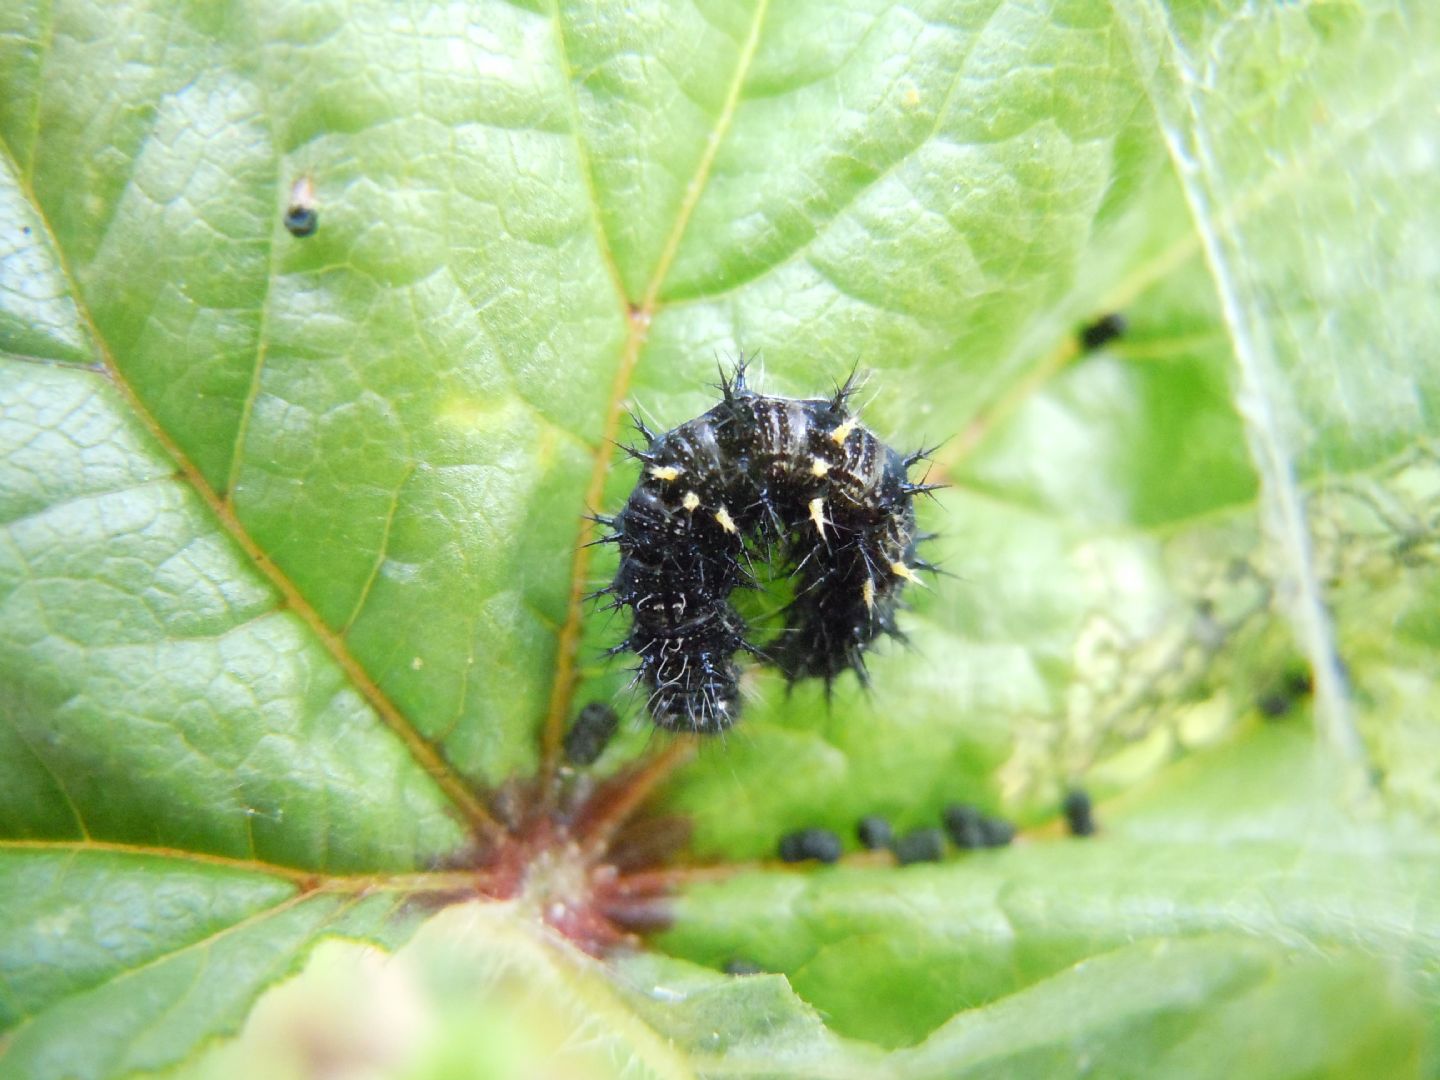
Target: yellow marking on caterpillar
{"type": "Point", "coordinates": [841, 433]}
{"type": "Point", "coordinates": [726, 521]}
{"type": "Point", "coordinates": [867, 591]}
{"type": "Point", "coordinates": [664, 472]}
{"type": "Point", "coordinates": [691, 501]}
{"type": "Point", "coordinates": [817, 515]}
{"type": "Point", "coordinates": [901, 570]}
{"type": "Point", "coordinates": [819, 466]}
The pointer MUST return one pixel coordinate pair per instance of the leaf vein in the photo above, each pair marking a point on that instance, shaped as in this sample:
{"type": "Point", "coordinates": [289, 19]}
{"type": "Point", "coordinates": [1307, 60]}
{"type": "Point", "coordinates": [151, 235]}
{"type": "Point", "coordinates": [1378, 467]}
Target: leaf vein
{"type": "Point", "coordinates": [587, 170]}
{"type": "Point", "coordinates": [853, 196]}
{"type": "Point", "coordinates": [421, 749]}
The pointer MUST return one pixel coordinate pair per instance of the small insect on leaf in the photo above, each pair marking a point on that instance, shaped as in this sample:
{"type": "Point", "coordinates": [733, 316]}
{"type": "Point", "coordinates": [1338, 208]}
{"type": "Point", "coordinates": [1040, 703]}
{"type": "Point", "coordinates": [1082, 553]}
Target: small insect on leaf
{"type": "Point", "coordinates": [302, 216]}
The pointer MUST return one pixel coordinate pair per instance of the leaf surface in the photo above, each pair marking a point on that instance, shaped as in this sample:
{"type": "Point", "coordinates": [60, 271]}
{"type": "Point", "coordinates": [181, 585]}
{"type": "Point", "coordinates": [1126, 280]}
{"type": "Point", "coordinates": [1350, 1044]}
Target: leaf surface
{"type": "Point", "coordinates": [291, 564]}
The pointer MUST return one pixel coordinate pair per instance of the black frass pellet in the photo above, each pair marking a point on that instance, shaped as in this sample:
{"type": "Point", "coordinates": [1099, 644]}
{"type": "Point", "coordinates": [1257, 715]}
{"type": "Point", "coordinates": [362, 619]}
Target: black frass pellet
{"type": "Point", "coordinates": [802, 845]}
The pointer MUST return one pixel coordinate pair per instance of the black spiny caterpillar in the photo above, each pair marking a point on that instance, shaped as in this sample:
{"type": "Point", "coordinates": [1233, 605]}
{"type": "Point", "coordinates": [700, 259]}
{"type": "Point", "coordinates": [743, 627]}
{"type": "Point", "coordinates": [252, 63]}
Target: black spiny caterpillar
{"type": "Point", "coordinates": [800, 485]}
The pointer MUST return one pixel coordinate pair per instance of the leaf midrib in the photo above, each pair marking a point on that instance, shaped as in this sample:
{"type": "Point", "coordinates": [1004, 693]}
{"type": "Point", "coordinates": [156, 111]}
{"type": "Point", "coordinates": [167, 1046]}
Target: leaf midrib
{"type": "Point", "coordinates": [638, 316]}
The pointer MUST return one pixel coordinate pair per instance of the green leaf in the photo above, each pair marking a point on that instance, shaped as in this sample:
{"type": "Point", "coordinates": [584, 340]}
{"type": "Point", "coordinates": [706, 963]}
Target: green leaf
{"type": "Point", "coordinates": [1207, 1006]}
{"type": "Point", "coordinates": [148, 666]}
{"type": "Point", "coordinates": [1287, 866]}
{"type": "Point", "coordinates": [147, 959]}
{"type": "Point", "coordinates": [292, 555]}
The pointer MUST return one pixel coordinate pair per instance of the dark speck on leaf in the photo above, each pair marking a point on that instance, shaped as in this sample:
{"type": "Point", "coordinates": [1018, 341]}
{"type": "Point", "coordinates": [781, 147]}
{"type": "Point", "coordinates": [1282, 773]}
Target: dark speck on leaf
{"type": "Point", "coordinates": [1279, 699]}
{"type": "Point", "coordinates": [590, 734]}
{"type": "Point", "coordinates": [1274, 705]}
{"type": "Point", "coordinates": [920, 845]}
{"type": "Point", "coordinates": [969, 829]}
{"type": "Point", "coordinates": [741, 966]}
{"type": "Point", "coordinates": [874, 832]}
{"type": "Point", "coordinates": [996, 832]}
{"type": "Point", "coordinates": [821, 845]}
{"type": "Point", "coordinates": [302, 218]}
{"type": "Point", "coordinates": [1079, 814]}
{"type": "Point", "coordinates": [1102, 331]}
{"type": "Point", "coordinates": [963, 824]}
{"type": "Point", "coordinates": [301, 222]}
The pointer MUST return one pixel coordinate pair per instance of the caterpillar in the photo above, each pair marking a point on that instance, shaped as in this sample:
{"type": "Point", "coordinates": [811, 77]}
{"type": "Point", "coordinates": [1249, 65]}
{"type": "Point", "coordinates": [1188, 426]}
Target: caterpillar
{"type": "Point", "coordinates": [800, 485]}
